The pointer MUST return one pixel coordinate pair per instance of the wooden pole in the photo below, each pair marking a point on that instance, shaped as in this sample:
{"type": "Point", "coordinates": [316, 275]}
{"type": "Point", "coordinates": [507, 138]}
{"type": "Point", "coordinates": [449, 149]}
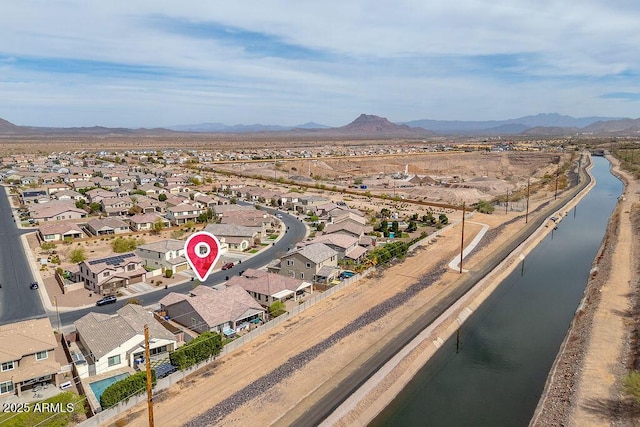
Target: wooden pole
{"type": "Point", "coordinates": [147, 356]}
{"type": "Point", "coordinates": [462, 241]}
{"type": "Point", "coordinates": [506, 207]}
{"type": "Point", "coordinates": [555, 197]}
{"type": "Point", "coordinates": [526, 217]}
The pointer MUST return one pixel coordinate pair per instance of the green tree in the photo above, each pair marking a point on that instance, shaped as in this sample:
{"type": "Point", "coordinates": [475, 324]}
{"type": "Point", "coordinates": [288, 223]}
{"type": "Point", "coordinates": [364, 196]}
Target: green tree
{"type": "Point", "coordinates": [168, 274]}
{"type": "Point", "coordinates": [157, 226]}
{"type": "Point", "coordinates": [443, 219]}
{"type": "Point", "coordinates": [412, 226]}
{"type": "Point", "coordinates": [122, 244]}
{"type": "Point", "coordinates": [95, 207]}
{"type": "Point", "coordinates": [80, 204]}
{"type": "Point", "coordinates": [484, 206]}
{"type": "Point", "coordinates": [395, 227]}
{"type": "Point", "coordinates": [162, 197]}
{"type": "Point", "coordinates": [77, 255]}
{"type": "Point", "coordinates": [277, 308]}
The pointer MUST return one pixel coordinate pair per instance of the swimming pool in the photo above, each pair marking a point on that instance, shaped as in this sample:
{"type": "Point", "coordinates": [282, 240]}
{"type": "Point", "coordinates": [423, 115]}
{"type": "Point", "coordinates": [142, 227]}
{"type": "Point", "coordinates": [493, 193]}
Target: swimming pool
{"type": "Point", "coordinates": [98, 387]}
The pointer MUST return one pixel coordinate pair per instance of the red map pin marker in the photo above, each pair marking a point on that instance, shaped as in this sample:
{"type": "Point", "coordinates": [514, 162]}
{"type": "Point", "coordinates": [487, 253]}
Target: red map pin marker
{"type": "Point", "coordinates": [202, 250]}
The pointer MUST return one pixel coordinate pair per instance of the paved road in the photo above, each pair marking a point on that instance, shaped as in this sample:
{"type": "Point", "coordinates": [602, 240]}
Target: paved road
{"type": "Point", "coordinates": [17, 300]}
{"type": "Point", "coordinates": [329, 402]}
{"type": "Point", "coordinates": [295, 233]}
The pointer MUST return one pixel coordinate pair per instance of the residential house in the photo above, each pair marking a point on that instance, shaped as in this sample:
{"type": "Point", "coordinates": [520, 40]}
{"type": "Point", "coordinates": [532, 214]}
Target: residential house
{"type": "Point", "coordinates": [28, 356]}
{"type": "Point", "coordinates": [183, 213]}
{"type": "Point", "coordinates": [98, 194]}
{"type": "Point", "coordinates": [107, 226]}
{"type": "Point", "coordinates": [145, 221]}
{"type": "Point", "coordinates": [345, 245]}
{"type": "Point", "coordinates": [166, 254]}
{"type": "Point", "coordinates": [316, 262]}
{"type": "Point", "coordinates": [34, 196]}
{"type": "Point", "coordinates": [116, 206]}
{"type": "Point", "coordinates": [56, 211]}
{"type": "Point", "coordinates": [60, 232]}
{"type": "Point", "coordinates": [347, 226]}
{"type": "Point", "coordinates": [267, 288]}
{"type": "Point", "coordinates": [106, 275]}
{"type": "Point", "coordinates": [68, 195]}
{"type": "Point", "coordinates": [238, 237]}
{"type": "Point", "coordinates": [255, 219]}
{"type": "Point", "coordinates": [208, 309]}
{"type": "Point", "coordinates": [112, 342]}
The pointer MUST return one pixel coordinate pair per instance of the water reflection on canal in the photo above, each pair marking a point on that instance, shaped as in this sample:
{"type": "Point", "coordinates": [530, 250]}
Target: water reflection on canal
{"type": "Point", "coordinates": [509, 344]}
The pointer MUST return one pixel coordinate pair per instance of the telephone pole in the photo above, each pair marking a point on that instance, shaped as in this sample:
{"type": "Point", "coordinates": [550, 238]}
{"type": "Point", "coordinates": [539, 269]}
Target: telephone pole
{"type": "Point", "coordinates": [526, 217]}
{"type": "Point", "coordinates": [506, 207]}
{"type": "Point", "coordinates": [557, 173]}
{"type": "Point", "coordinates": [462, 241]}
{"type": "Point", "coordinates": [147, 356]}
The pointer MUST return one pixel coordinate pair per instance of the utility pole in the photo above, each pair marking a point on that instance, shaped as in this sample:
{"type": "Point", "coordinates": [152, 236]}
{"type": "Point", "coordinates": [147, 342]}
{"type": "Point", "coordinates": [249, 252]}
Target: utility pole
{"type": "Point", "coordinates": [55, 300]}
{"type": "Point", "coordinates": [462, 240]}
{"type": "Point", "coordinates": [526, 217]}
{"type": "Point", "coordinates": [147, 356]}
{"type": "Point", "coordinates": [506, 206]}
{"type": "Point", "coordinates": [557, 173]}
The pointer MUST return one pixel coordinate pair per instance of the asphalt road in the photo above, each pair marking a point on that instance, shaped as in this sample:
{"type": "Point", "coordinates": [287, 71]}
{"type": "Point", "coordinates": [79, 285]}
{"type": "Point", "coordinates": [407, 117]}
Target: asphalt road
{"type": "Point", "coordinates": [329, 402]}
{"type": "Point", "coordinates": [295, 232]}
{"type": "Point", "coordinates": [17, 300]}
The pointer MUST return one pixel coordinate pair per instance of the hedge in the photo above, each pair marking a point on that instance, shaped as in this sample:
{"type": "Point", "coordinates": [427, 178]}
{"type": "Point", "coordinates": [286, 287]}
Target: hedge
{"type": "Point", "coordinates": [206, 345]}
{"type": "Point", "coordinates": [126, 388]}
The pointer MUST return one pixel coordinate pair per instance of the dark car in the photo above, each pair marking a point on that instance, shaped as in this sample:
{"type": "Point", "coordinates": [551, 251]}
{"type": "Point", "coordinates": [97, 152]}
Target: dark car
{"type": "Point", "coordinates": [227, 266]}
{"type": "Point", "coordinates": [34, 285]}
{"type": "Point", "coordinates": [106, 300]}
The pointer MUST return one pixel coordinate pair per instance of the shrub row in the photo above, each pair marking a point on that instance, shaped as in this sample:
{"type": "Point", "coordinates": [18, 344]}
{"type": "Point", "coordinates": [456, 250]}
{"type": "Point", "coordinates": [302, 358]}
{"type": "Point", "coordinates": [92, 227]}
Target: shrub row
{"type": "Point", "coordinates": [206, 345]}
{"type": "Point", "coordinates": [125, 389]}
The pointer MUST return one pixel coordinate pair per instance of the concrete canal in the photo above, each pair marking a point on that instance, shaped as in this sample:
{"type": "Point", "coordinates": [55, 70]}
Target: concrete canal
{"type": "Point", "coordinates": [508, 345]}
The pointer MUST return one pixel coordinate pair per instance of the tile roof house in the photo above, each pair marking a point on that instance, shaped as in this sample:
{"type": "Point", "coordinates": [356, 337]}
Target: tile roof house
{"type": "Point", "coordinates": [183, 213]}
{"type": "Point", "coordinates": [347, 226]}
{"type": "Point", "coordinates": [267, 288]}
{"type": "Point", "coordinates": [106, 275]}
{"type": "Point", "coordinates": [112, 342]}
{"type": "Point", "coordinates": [59, 232]}
{"type": "Point", "coordinates": [316, 262]}
{"type": "Point", "coordinates": [238, 237]}
{"type": "Point", "coordinates": [116, 206]}
{"type": "Point", "coordinates": [208, 309]}
{"type": "Point", "coordinates": [27, 356]}
{"type": "Point", "coordinates": [56, 211]}
{"type": "Point", "coordinates": [166, 254]}
{"type": "Point", "coordinates": [106, 226]}
{"type": "Point", "coordinates": [345, 245]}
{"type": "Point", "coordinates": [145, 221]}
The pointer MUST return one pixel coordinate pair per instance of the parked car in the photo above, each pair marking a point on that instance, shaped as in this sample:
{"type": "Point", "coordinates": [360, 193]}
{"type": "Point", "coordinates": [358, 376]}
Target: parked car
{"type": "Point", "coordinates": [227, 266]}
{"type": "Point", "coordinates": [106, 300]}
{"type": "Point", "coordinates": [279, 215]}
{"type": "Point", "coordinates": [34, 285]}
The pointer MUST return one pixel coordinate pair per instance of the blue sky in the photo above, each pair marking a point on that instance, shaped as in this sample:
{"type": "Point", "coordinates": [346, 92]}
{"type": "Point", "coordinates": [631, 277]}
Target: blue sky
{"type": "Point", "coordinates": [160, 63]}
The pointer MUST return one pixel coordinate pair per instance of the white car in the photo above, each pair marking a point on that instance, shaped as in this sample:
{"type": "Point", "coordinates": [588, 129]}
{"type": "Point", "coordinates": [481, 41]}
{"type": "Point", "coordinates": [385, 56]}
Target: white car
{"type": "Point", "coordinates": [279, 215]}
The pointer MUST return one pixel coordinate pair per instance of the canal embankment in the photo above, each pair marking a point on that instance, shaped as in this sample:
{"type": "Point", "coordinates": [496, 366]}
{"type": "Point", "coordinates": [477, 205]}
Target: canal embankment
{"type": "Point", "coordinates": [381, 388]}
{"type": "Point", "coordinates": [584, 386]}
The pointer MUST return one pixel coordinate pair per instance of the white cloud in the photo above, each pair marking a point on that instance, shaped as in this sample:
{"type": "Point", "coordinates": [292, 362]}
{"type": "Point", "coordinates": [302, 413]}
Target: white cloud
{"type": "Point", "coordinates": [404, 59]}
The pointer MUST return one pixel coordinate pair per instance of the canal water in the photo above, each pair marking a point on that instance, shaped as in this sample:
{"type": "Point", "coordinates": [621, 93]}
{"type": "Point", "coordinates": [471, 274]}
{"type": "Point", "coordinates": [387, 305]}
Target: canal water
{"type": "Point", "coordinates": [508, 346]}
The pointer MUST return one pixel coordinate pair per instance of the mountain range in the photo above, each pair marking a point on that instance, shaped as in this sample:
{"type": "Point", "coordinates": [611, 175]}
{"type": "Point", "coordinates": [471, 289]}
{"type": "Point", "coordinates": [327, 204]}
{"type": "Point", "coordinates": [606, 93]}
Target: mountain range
{"type": "Point", "coordinates": [376, 127]}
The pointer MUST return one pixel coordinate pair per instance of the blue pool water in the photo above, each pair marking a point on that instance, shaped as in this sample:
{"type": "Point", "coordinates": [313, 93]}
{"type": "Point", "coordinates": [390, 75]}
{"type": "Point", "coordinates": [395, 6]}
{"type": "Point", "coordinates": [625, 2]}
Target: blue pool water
{"type": "Point", "coordinates": [98, 387]}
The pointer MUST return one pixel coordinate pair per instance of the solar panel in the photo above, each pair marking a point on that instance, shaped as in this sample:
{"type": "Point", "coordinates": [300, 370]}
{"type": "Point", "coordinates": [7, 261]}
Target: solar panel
{"type": "Point", "coordinates": [114, 260]}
